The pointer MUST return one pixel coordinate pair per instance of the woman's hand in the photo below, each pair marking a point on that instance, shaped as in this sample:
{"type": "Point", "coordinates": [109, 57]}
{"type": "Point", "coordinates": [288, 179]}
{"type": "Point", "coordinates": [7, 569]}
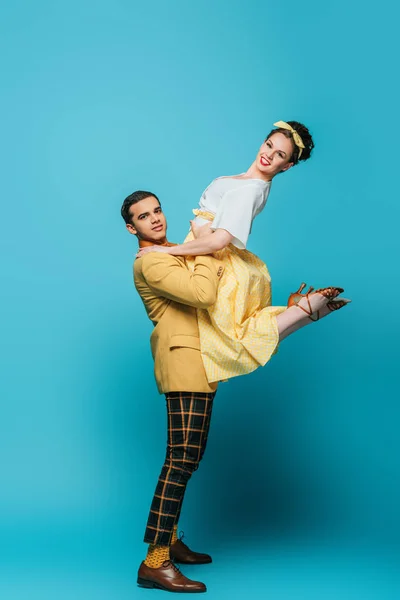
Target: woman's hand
{"type": "Point", "coordinates": [200, 231]}
{"type": "Point", "coordinates": [148, 249]}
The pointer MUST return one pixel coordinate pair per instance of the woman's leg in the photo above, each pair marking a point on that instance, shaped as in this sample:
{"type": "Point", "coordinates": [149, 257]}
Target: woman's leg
{"type": "Point", "coordinates": [293, 318]}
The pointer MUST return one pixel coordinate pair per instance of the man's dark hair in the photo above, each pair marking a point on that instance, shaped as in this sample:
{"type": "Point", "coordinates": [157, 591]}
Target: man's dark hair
{"type": "Point", "coordinates": [133, 199]}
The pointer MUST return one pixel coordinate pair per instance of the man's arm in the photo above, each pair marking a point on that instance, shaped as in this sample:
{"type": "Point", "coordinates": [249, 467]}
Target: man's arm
{"type": "Point", "coordinates": [167, 277]}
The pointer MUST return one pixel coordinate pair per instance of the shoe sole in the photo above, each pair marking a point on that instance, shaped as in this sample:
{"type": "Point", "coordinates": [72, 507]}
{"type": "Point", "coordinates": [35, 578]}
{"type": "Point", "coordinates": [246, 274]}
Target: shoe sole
{"type": "Point", "coordinates": [145, 583]}
{"type": "Point", "coordinates": [182, 562]}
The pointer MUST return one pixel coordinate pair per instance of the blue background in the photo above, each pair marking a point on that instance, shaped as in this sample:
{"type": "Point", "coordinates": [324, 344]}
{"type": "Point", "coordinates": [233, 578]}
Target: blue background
{"type": "Point", "coordinates": [299, 492]}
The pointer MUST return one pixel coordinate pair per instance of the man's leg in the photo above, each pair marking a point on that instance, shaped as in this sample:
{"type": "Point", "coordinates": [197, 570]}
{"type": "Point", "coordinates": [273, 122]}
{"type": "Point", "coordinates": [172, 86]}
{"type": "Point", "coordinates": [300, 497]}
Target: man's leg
{"type": "Point", "coordinates": [179, 551]}
{"type": "Point", "coordinates": [189, 415]}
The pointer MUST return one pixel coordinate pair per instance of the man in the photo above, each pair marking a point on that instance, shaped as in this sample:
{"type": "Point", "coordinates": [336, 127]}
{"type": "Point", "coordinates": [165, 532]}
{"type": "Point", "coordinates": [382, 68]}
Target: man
{"type": "Point", "coordinates": [171, 293]}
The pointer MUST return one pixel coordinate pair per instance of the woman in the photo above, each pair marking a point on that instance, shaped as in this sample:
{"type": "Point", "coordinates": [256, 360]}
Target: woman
{"type": "Point", "coordinates": [242, 330]}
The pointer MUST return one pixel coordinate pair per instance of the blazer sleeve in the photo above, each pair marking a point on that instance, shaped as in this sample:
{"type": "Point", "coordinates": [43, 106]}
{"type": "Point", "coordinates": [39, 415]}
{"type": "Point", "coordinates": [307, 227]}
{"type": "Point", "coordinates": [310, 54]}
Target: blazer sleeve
{"type": "Point", "coordinates": [168, 277]}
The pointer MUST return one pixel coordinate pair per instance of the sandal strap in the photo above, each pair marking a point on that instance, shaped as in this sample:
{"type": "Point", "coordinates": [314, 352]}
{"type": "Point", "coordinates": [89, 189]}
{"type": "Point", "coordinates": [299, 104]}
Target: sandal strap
{"type": "Point", "coordinates": [330, 292]}
{"type": "Point", "coordinates": [307, 311]}
{"type": "Point", "coordinates": [316, 316]}
{"type": "Point", "coordinates": [335, 305]}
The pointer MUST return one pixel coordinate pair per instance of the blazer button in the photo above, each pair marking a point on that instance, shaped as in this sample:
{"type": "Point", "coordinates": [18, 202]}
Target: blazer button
{"type": "Point", "coordinates": [219, 272]}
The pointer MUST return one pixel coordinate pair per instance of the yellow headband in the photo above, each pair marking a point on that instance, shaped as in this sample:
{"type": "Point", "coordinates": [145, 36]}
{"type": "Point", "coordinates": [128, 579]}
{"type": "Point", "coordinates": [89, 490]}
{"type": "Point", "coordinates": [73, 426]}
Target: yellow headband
{"type": "Point", "coordinates": [296, 138]}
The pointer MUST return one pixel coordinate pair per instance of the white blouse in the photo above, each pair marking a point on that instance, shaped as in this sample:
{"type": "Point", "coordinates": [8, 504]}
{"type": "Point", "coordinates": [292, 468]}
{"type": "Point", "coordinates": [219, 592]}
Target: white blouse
{"type": "Point", "coordinates": [235, 203]}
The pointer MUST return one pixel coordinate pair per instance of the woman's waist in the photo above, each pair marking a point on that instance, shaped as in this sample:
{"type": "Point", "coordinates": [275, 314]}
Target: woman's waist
{"type": "Point", "coordinates": [204, 215]}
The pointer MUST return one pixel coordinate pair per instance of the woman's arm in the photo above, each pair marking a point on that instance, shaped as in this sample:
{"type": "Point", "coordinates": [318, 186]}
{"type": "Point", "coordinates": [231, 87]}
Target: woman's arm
{"type": "Point", "coordinates": [203, 245]}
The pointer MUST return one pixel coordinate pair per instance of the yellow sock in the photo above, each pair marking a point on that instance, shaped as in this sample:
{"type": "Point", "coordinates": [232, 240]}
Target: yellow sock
{"type": "Point", "coordinates": [174, 534]}
{"type": "Point", "coordinates": [156, 555]}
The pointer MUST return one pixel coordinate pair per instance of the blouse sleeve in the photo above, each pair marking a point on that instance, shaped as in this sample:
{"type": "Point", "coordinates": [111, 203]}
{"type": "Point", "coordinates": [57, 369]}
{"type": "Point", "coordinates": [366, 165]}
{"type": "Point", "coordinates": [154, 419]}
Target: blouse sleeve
{"type": "Point", "coordinates": [236, 212]}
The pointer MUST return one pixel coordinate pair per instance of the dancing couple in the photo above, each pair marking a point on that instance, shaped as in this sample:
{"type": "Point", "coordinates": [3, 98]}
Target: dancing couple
{"type": "Point", "coordinates": [210, 302]}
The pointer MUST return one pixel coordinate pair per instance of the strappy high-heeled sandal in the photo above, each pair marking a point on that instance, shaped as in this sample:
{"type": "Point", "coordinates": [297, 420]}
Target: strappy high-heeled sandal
{"type": "Point", "coordinates": [329, 292]}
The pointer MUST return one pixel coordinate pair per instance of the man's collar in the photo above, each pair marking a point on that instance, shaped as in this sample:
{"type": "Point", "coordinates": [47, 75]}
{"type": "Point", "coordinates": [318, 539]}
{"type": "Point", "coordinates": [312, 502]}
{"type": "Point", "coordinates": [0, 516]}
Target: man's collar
{"type": "Point", "coordinates": [145, 243]}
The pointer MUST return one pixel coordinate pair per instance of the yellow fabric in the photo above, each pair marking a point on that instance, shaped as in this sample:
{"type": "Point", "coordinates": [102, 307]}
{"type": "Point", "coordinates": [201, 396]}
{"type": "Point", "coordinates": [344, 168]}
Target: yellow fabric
{"type": "Point", "coordinates": [174, 534]}
{"type": "Point", "coordinates": [156, 555]}
{"type": "Point", "coordinates": [296, 137]}
{"type": "Point", "coordinates": [239, 332]}
{"type": "Point", "coordinates": [171, 292]}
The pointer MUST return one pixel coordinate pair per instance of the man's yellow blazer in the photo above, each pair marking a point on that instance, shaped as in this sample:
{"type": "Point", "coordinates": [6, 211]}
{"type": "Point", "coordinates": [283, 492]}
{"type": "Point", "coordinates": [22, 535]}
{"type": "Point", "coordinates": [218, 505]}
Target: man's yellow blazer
{"type": "Point", "coordinates": [171, 293]}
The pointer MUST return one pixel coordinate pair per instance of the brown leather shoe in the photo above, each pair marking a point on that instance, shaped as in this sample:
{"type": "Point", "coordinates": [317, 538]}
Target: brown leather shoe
{"type": "Point", "coordinates": [181, 553]}
{"type": "Point", "coordinates": [169, 578]}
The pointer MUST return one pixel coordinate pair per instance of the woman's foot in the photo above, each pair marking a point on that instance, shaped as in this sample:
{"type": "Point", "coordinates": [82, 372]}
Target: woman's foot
{"type": "Point", "coordinates": [312, 303]}
{"type": "Point", "coordinates": [333, 305]}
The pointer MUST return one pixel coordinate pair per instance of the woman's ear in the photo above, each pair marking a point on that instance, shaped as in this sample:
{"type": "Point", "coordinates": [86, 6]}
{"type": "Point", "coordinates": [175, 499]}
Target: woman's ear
{"type": "Point", "coordinates": [287, 167]}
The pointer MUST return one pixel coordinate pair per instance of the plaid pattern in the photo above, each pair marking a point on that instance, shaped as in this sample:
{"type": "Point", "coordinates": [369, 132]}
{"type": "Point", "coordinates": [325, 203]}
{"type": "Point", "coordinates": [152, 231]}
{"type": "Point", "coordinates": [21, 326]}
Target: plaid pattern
{"type": "Point", "coordinates": [189, 415]}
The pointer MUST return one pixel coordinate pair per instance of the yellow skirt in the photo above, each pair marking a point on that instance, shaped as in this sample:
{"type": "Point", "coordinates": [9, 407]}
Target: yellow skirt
{"type": "Point", "coordinates": [239, 332]}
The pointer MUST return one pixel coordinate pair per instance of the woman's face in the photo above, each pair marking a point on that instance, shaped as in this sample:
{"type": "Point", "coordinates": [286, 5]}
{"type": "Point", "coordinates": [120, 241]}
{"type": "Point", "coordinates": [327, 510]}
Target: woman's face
{"type": "Point", "coordinates": [274, 155]}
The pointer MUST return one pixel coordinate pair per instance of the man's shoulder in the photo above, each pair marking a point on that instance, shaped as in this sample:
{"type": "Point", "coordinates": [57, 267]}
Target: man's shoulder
{"type": "Point", "coordinates": [138, 269]}
{"type": "Point", "coordinates": [157, 259]}
{"type": "Point", "coordinates": [137, 265]}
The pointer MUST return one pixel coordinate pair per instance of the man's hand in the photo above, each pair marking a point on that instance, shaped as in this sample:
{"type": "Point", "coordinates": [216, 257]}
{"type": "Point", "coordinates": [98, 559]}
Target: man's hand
{"type": "Point", "coordinates": [199, 232]}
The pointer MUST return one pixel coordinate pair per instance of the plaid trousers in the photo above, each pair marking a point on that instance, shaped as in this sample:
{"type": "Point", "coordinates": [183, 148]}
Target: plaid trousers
{"type": "Point", "coordinates": [189, 415]}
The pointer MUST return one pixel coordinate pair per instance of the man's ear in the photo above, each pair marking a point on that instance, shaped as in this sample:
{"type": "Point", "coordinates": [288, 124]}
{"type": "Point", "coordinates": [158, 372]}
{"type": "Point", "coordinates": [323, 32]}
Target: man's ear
{"type": "Point", "coordinates": [131, 229]}
{"type": "Point", "coordinates": [287, 167]}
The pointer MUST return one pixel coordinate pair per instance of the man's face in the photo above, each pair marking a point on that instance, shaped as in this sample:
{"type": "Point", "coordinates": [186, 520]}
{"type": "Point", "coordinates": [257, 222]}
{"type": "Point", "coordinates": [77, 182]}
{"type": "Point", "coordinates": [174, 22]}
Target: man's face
{"type": "Point", "coordinates": [148, 221]}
